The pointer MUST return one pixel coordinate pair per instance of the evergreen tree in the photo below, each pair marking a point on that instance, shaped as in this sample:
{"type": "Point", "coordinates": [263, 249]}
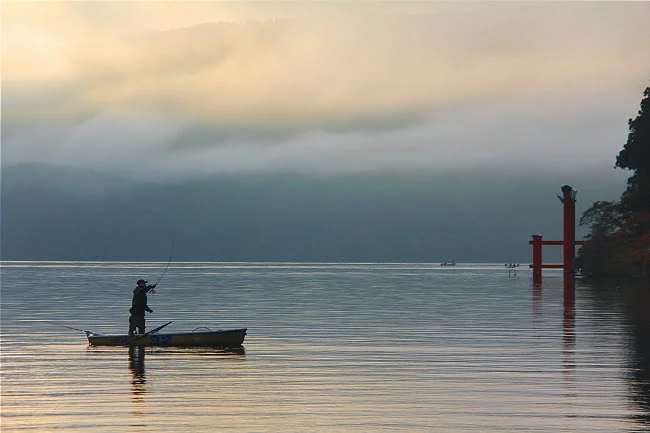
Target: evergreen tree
{"type": "Point", "coordinates": [636, 156]}
{"type": "Point", "coordinates": [619, 240]}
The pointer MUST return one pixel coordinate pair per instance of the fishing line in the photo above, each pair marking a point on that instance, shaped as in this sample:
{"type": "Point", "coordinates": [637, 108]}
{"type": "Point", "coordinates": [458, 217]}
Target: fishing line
{"type": "Point", "coordinates": [171, 254]}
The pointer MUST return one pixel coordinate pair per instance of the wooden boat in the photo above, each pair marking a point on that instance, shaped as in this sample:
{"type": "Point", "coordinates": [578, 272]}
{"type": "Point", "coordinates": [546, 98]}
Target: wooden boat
{"type": "Point", "coordinates": [225, 338]}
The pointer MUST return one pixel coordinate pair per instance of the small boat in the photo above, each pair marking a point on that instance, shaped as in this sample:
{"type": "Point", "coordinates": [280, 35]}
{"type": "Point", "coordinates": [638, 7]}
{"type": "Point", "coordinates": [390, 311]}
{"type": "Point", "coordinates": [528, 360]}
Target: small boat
{"type": "Point", "coordinates": [209, 338]}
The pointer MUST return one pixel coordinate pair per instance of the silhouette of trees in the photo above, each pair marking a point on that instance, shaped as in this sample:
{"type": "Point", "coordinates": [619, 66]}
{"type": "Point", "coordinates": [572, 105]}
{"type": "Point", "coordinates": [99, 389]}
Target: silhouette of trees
{"type": "Point", "coordinates": [618, 243]}
{"type": "Point", "coordinates": [636, 156]}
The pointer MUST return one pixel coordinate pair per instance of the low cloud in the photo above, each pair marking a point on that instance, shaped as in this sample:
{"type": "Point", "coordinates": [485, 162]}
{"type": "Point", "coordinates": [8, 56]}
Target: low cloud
{"type": "Point", "coordinates": [507, 137]}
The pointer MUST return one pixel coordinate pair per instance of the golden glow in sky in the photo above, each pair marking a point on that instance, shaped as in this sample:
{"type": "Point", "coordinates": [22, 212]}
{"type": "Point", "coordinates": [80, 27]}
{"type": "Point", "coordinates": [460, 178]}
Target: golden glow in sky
{"type": "Point", "coordinates": [275, 71]}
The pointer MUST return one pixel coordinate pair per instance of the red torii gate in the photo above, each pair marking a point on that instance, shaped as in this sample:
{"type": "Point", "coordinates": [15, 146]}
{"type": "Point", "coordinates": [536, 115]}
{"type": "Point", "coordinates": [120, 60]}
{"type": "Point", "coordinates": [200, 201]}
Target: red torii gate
{"type": "Point", "coordinates": [569, 242]}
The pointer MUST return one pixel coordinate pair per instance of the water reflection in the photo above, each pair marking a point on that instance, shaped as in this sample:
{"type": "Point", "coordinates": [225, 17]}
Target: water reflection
{"type": "Point", "coordinates": [137, 367]}
{"type": "Point", "coordinates": [639, 370]}
{"type": "Point", "coordinates": [569, 332]}
{"type": "Point", "coordinates": [537, 304]}
{"type": "Point", "coordinates": [138, 383]}
{"type": "Point", "coordinates": [635, 299]}
{"type": "Point", "coordinates": [138, 376]}
{"type": "Point", "coordinates": [217, 352]}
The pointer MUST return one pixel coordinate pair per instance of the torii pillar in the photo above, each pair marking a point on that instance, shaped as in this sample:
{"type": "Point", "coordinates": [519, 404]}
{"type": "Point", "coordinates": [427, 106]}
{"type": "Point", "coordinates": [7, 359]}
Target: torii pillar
{"type": "Point", "coordinates": [568, 243]}
{"type": "Point", "coordinates": [568, 199]}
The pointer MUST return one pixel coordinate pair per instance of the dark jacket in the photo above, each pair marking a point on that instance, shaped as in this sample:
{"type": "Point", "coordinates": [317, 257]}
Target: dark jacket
{"type": "Point", "coordinates": [139, 302]}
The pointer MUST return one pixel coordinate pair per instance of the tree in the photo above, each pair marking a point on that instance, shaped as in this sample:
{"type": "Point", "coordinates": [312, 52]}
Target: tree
{"type": "Point", "coordinates": [618, 243]}
{"type": "Point", "coordinates": [637, 229]}
{"type": "Point", "coordinates": [604, 218]}
{"type": "Point", "coordinates": [636, 156]}
{"type": "Point", "coordinates": [603, 253]}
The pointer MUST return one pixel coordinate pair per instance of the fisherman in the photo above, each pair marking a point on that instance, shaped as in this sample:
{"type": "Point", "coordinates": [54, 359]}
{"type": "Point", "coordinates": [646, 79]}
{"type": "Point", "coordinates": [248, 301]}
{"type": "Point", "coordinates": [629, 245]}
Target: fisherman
{"type": "Point", "coordinates": [139, 306]}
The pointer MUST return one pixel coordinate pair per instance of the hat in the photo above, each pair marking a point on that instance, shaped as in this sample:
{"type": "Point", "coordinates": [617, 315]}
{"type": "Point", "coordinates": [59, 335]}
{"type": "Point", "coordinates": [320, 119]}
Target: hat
{"type": "Point", "coordinates": [141, 282]}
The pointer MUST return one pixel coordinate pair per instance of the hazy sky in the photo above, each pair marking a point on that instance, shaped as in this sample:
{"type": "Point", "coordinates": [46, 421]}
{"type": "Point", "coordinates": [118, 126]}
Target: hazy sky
{"type": "Point", "coordinates": [159, 89]}
{"type": "Point", "coordinates": [406, 100]}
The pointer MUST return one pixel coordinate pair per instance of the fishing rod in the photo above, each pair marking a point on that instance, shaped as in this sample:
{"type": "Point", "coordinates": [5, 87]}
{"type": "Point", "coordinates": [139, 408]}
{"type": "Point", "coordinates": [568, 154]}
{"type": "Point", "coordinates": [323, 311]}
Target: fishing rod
{"type": "Point", "coordinates": [137, 337]}
{"type": "Point", "coordinates": [171, 254]}
{"type": "Point", "coordinates": [70, 327]}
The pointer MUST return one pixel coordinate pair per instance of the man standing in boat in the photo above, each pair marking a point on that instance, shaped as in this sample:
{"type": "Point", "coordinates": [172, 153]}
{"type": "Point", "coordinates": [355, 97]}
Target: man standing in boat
{"type": "Point", "coordinates": [139, 307]}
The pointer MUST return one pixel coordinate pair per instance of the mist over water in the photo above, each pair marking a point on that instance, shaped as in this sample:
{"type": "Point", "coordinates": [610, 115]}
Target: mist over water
{"type": "Point", "coordinates": [330, 348]}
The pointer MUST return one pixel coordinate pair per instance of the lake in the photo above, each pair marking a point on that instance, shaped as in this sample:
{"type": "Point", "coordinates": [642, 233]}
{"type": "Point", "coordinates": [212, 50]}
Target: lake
{"type": "Point", "coordinates": [330, 348]}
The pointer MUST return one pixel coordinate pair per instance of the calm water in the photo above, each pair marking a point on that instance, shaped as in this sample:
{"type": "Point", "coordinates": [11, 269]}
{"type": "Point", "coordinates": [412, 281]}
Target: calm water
{"type": "Point", "coordinates": [330, 348]}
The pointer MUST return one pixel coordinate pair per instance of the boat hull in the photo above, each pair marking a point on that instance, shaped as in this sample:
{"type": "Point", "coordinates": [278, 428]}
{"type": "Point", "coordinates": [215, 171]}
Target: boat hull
{"type": "Point", "coordinates": [226, 338]}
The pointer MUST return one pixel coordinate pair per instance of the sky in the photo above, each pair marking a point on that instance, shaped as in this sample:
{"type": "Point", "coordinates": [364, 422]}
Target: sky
{"type": "Point", "coordinates": [310, 130]}
{"type": "Point", "coordinates": [170, 90]}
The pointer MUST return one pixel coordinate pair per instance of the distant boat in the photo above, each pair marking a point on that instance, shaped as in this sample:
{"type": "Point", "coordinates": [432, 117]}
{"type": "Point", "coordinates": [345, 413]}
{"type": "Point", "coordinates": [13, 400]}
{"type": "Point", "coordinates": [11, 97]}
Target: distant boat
{"type": "Point", "coordinates": [512, 268]}
{"type": "Point", "coordinates": [452, 263]}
